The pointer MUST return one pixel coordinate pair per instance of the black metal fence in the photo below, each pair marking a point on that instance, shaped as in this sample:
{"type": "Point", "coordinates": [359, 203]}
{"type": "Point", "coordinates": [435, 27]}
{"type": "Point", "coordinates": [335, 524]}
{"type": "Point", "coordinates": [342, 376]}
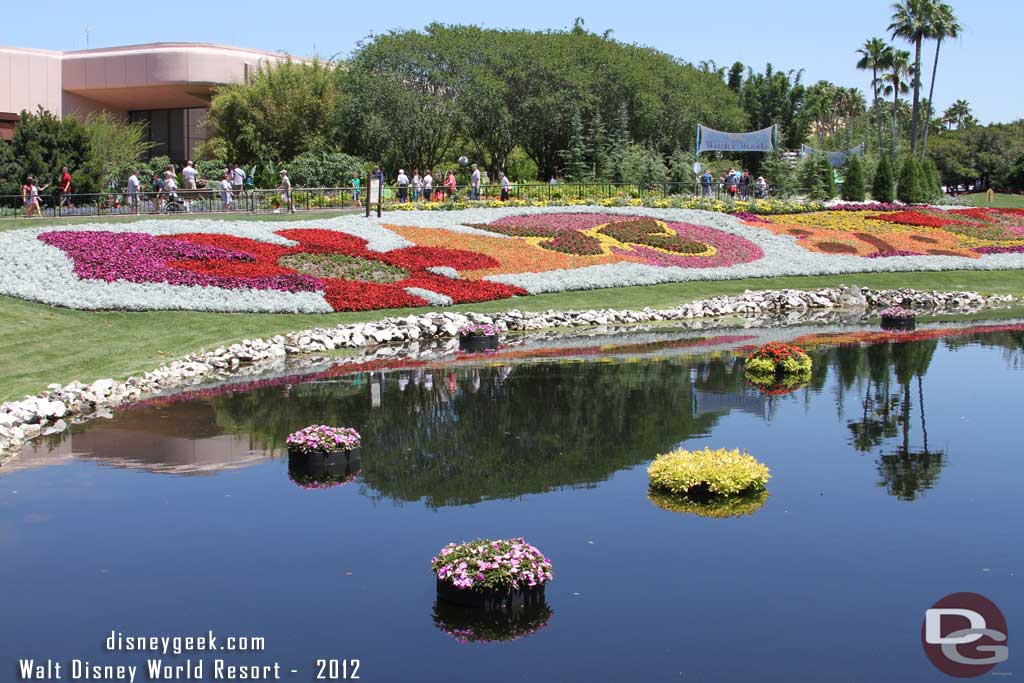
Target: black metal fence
{"type": "Point", "coordinates": [258, 201]}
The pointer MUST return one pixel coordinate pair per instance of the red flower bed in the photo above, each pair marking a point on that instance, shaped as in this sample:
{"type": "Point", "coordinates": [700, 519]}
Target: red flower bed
{"type": "Point", "coordinates": [777, 352]}
{"type": "Point", "coordinates": [913, 218]}
{"type": "Point", "coordinates": [354, 295]}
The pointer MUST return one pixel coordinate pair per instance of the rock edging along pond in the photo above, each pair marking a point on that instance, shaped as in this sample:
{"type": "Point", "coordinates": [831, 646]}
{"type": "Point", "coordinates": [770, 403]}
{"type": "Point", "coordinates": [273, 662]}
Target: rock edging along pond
{"type": "Point", "coordinates": [49, 411]}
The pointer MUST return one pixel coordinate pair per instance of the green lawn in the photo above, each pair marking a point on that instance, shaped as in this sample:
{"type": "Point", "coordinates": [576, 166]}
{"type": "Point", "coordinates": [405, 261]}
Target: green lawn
{"type": "Point", "coordinates": [1001, 201]}
{"type": "Point", "coordinates": [41, 344]}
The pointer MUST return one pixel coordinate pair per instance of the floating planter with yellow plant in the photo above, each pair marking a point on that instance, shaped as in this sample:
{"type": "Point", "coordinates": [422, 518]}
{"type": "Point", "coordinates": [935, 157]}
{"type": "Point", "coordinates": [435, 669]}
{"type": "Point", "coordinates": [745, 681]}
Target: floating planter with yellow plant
{"type": "Point", "coordinates": [710, 483]}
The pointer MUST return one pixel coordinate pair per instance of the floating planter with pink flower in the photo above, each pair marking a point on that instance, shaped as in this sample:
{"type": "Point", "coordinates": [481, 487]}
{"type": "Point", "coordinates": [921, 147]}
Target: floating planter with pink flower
{"type": "Point", "coordinates": [491, 574]}
{"type": "Point", "coordinates": [323, 457]}
{"type": "Point", "coordinates": [323, 439]}
{"type": "Point", "coordinates": [478, 337]}
{"type": "Point", "coordinates": [898, 318]}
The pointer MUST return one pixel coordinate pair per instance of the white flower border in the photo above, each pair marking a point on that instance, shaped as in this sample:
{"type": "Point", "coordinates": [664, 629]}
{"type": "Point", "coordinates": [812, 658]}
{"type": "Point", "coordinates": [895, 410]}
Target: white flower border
{"type": "Point", "coordinates": [32, 270]}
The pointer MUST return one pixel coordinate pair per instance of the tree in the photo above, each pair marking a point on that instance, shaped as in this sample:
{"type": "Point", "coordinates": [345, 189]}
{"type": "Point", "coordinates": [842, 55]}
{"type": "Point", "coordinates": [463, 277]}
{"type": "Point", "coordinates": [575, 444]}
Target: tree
{"type": "Point", "coordinates": [853, 180]}
{"type": "Point", "coordinates": [959, 114]}
{"type": "Point", "coordinates": [913, 21]}
{"type": "Point", "coordinates": [811, 180]}
{"type": "Point", "coordinates": [324, 169]}
{"type": "Point", "coordinates": [116, 147]}
{"type": "Point", "coordinates": [930, 181]}
{"type": "Point", "coordinates": [910, 187]}
{"type": "Point", "coordinates": [282, 111]}
{"type": "Point", "coordinates": [830, 108]}
{"type": "Point", "coordinates": [776, 97]}
{"type": "Point", "coordinates": [944, 25]}
{"type": "Point", "coordinates": [883, 187]}
{"type": "Point", "coordinates": [41, 145]}
{"type": "Point", "coordinates": [735, 79]}
{"type": "Point", "coordinates": [897, 69]}
{"type": "Point", "coordinates": [780, 174]}
{"type": "Point", "coordinates": [828, 178]}
{"type": "Point", "coordinates": [574, 158]}
{"type": "Point", "coordinates": [875, 55]}
{"type": "Point", "coordinates": [643, 166]}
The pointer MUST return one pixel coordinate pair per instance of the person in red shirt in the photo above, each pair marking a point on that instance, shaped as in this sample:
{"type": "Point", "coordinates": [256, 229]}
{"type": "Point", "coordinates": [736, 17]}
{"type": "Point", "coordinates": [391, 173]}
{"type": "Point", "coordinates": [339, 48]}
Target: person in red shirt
{"type": "Point", "coordinates": [65, 186]}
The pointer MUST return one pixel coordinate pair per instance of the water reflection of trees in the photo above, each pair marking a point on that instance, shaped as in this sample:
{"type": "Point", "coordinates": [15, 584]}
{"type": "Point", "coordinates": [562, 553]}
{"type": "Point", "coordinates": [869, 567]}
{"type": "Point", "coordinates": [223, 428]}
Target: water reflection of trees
{"type": "Point", "coordinates": [460, 436]}
{"type": "Point", "coordinates": [891, 373]}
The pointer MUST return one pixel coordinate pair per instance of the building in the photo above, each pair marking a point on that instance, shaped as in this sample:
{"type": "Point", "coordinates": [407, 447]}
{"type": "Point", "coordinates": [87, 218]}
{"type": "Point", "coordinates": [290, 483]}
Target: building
{"type": "Point", "coordinates": [166, 85]}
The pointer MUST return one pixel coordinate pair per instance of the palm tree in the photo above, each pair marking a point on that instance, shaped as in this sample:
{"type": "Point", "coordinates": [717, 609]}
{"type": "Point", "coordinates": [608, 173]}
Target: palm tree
{"type": "Point", "coordinates": [912, 20]}
{"type": "Point", "coordinates": [897, 69]}
{"type": "Point", "coordinates": [959, 114]}
{"type": "Point", "coordinates": [875, 55]}
{"type": "Point", "coordinates": [945, 25]}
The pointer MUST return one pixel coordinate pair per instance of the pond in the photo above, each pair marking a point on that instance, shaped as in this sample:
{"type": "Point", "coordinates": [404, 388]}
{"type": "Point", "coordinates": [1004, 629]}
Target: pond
{"type": "Point", "coordinates": [894, 473]}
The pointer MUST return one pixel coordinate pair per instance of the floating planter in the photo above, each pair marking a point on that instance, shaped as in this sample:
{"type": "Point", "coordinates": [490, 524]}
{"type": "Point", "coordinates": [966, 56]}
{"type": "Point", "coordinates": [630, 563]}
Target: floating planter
{"type": "Point", "coordinates": [491, 574]}
{"type": "Point", "coordinates": [709, 483]}
{"type": "Point", "coordinates": [478, 337]}
{"type": "Point", "coordinates": [323, 440]}
{"type": "Point", "coordinates": [898, 318]}
{"type": "Point", "coordinates": [469, 625]}
{"type": "Point", "coordinates": [776, 363]}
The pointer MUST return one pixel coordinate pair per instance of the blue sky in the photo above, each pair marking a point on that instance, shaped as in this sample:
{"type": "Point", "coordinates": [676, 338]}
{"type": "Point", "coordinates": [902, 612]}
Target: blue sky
{"type": "Point", "coordinates": [820, 36]}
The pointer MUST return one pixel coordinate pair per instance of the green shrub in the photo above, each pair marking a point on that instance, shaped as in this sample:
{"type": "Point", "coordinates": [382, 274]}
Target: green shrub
{"type": "Point", "coordinates": [703, 473]}
{"type": "Point", "coordinates": [883, 187]}
{"type": "Point", "coordinates": [931, 183]}
{"type": "Point", "coordinates": [910, 188]}
{"type": "Point", "coordinates": [828, 177]}
{"type": "Point", "coordinates": [853, 183]}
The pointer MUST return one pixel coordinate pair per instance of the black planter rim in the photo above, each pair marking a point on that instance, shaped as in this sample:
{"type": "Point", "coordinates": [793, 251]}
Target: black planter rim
{"type": "Point", "coordinates": [491, 598]}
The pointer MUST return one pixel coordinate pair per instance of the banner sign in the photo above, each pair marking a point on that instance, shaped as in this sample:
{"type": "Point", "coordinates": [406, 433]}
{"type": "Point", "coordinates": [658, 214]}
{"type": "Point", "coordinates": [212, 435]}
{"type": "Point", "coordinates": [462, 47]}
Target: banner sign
{"type": "Point", "coordinates": [711, 140]}
{"type": "Point", "coordinates": [834, 158]}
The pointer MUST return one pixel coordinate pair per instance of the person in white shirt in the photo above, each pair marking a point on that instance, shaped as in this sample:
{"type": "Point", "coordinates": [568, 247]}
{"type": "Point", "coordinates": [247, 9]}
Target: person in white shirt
{"type": "Point", "coordinates": [428, 186]}
{"type": "Point", "coordinates": [134, 186]}
{"type": "Point", "coordinates": [403, 186]}
{"type": "Point", "coordinates": [237, 179]}
{"type": "Point", "coordinates": [474, 183]}
{"type": "Point", "coordinates": [170, 185]}
{"type": "Point", "coordinates": [506, 185]}
{"type": "Point", "coordinates": [417, 185]}
{"type": "Point", "coordinates": [286, 192]}
{"type": "Point", "coordinates": [189, 173]}
{"type": "Point", "coordinates": [225, 192]}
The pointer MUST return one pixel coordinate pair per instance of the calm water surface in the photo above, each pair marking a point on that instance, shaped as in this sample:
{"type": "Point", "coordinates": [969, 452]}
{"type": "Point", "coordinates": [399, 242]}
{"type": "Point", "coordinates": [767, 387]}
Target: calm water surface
{"type": "Point", "coordinates": [896, 479]}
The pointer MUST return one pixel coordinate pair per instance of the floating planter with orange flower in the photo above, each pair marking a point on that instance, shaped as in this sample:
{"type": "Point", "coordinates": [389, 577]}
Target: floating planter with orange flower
{"type": "Point", "coordinates": [492, 574]}
{"type": "Point", "coordinates": [776, 362]}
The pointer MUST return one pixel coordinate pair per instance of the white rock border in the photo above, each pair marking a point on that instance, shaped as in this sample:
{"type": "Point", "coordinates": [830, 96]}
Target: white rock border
{"type": "Point", "coordinates": [48, 412]}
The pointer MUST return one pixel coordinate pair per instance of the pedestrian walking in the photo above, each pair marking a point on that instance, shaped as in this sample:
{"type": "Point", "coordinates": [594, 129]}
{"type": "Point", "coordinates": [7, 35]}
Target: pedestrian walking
{"type": "Point", "coordinates": [417, 185]}
{"type": "Point", "coordinates": [30, 197]}
{"type": "Point", "coordinates": [355, 187]}
{"type": "Point", "coordinates": [450, 185]}
{"type": "Point", "coordinates": [505, 187]}
{"type": "Point", "coordinates": [237, 180]}
{"type": "Point", "coordinates": [64, 188]}
{"type": "Point", "coordinates": [134, 189]}
{"type": "Point", "coordinates": [428, 186]}
{"type": "Point", "coordinates": [225, 192]}
{"type": "Point", "coordinates": [403, 186]}
{"type": "Point", "coordinates": [189, 174]}
{"type": "Point", "coordinates": [286, 192]}
{"type": "Point", "coordinates": [474, 183]}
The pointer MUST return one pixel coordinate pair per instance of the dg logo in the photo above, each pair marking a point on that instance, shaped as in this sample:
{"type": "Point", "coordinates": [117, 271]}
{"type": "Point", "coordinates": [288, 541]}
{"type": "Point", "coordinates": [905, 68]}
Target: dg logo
{"type": "Point", "coordinates": [965, 635]}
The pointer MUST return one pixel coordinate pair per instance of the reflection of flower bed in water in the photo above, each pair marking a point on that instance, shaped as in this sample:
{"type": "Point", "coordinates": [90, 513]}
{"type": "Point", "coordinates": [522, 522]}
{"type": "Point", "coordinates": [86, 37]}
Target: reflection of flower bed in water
{"type": "Point", "coordinates": [771, 385]}
{"type": "Point", "coordinates": [323, 471]}
{"type": "Point", "coordinates": [468, 625]}
{"type": "Point", "coordinates": [716, 507]}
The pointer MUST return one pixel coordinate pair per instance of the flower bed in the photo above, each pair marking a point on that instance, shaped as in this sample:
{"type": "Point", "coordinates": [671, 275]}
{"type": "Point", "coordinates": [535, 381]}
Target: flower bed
{"type": "Point", "coordinates": [351, 264]}
{"type": "Point", "coordinates": [491, 573]}
{"type": "Point", "coordinates": [700, 475]}
{"type": "Point", "coordinates": [898, 318]}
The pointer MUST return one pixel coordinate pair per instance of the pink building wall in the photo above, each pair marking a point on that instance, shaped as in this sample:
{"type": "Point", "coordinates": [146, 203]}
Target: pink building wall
{"type": "Point", "coordinates": [121, 79]}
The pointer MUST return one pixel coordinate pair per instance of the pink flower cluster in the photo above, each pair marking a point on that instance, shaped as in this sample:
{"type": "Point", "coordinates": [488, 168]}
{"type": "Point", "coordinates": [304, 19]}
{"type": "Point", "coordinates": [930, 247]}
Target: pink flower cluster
{"type": "Point", "coordinates": [140, 257]}
{"type": "Point", "coordinates": [897, 313]}
{"type": "Point", "coordinates": [479, 330]}
{"type": "Point", "coordinates": [1015, 249]}
{"type": "Point", "coordinates": [323, 438]}
{"type": "Point", "coordinates": [312, 484]}
{"type": "Point", "coordinates": [509, 564]}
